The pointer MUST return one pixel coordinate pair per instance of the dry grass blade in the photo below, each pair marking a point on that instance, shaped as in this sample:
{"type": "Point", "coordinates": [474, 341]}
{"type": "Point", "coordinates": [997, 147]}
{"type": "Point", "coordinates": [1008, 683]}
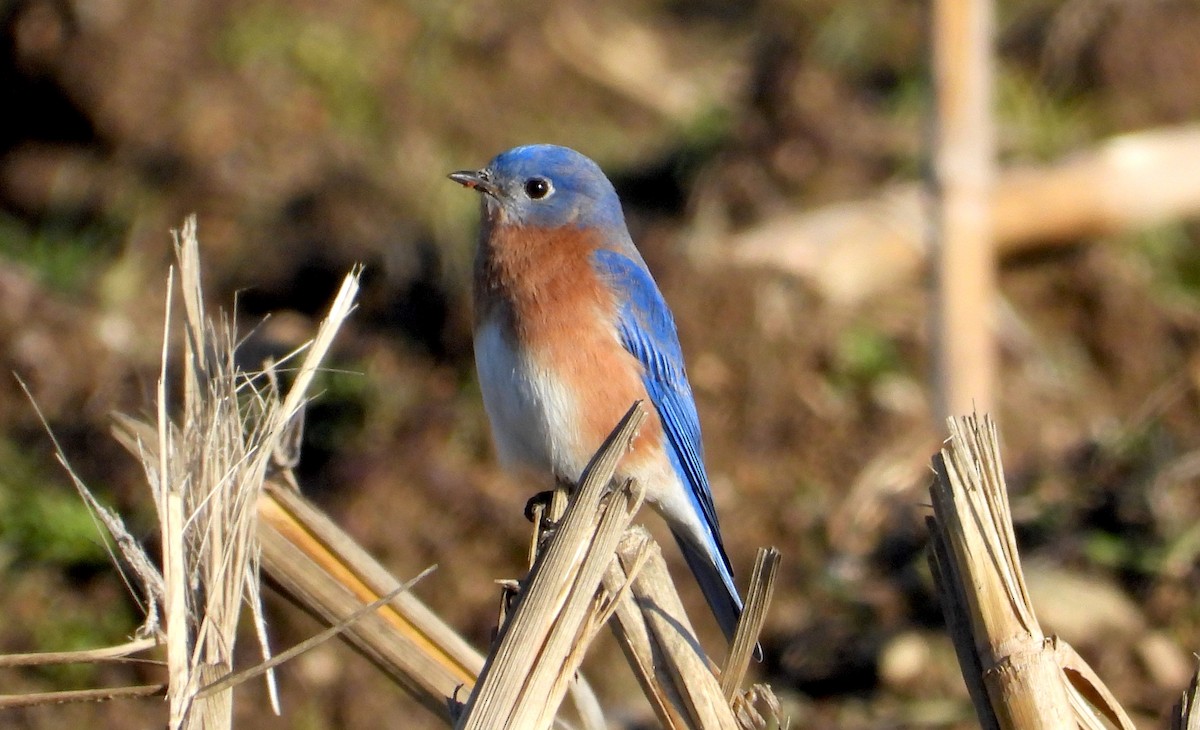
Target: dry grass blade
{"type": "Point", "coordinates": [104, 654]}
{"type": "Point", "coordinates": [1094, 705]}
{"type": "Point", "coordinates": [1017, 676]}
{"type": "Point", "coordinates": [759, 709]}
{"type": "Point", "coordinates": [12, 702]}
{"type": "Point", "coordinates": [521, 685]}
{"type": "Point", "coordinates": [131, 553]}
{"type": "Point", "coordinates": [206, 469]}
{"type": "Point", "coordinates": [754, 615]}
{"type": "Point", "coordinates": [236, 429]}
{"type": "Point", "coordinates": [1187, 713]}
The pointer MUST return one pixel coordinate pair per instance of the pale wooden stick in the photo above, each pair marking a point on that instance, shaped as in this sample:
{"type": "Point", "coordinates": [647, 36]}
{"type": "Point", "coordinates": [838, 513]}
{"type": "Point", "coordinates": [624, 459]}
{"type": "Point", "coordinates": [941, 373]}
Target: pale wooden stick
{"type": "Point", "coordinates": [1018, 677]}
{"type": "Point", "coordinates": [949, 583]}
{"type": "Point", "coordinates": [179, 670]}
{"type": "Point", "coordinates": [633, 635]}
{"type": "Point", "coordinates": [660, 643]}
{"type": "Point", "coordinates": [529, 631]}
{"type": "Point", "coordinates": [579, 619]}
{"type": "Point", "coordinates": [327, 573]}
{"type": "Point", "coordinates": [583, 697]}
{"type": "Point", "coordinates": [960, 179]}
{"type": "Point", "coordinates": [1022, 680]}
{"type": "Point", "coordinates": [235, 678]}
{"type": "Point", "coordinates": [1122, 183]}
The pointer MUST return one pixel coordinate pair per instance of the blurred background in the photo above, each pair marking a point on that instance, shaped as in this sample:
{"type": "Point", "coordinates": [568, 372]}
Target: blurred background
{"type": "Point", "coordinates": [308, 136]}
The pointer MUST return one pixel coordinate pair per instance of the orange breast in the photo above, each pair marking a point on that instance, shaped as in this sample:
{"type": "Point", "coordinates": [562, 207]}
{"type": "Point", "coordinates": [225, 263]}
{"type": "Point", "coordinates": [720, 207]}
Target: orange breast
{"type": "Point", "coordinates": [541, 287]}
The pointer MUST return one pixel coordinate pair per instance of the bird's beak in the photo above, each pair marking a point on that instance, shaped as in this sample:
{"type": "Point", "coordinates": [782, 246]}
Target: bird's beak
{"type": "Point", "coordinates": [476, 180]}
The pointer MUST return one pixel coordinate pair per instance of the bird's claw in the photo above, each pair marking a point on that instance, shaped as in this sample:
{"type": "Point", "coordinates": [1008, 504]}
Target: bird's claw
{"type": "Point", "coordinates": [538, 505]}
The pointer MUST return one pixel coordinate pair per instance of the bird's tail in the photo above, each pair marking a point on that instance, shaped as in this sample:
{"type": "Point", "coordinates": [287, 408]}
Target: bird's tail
{"type": "Point", "coordinates": [712, 571]}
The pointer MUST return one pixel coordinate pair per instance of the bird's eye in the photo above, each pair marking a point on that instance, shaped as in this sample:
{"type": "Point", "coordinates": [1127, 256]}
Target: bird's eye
{"type": "Point", "coordinates": [537, 188]}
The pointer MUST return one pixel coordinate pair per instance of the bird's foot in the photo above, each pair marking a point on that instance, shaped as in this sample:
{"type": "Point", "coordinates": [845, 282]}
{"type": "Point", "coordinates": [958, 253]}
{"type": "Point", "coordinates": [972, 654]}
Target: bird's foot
{"type": "Point", "coordinates": [538, 505]}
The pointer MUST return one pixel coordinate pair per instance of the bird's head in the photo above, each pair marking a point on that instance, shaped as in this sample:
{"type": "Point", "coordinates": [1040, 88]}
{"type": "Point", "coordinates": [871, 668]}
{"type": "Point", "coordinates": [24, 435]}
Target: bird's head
{"type": "Point", "coordinates": [544, 186]}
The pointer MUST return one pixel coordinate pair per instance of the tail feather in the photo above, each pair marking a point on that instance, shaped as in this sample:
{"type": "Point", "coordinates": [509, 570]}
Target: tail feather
{"type": "Point", "coordinates": [716, 582]}
{"type": "Point", "coordinates": [715, 577]}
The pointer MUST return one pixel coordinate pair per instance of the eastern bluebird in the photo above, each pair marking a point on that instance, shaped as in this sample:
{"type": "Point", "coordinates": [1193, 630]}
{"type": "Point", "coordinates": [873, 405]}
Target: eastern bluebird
{"type": "Point", "coordinates": [570, 330]}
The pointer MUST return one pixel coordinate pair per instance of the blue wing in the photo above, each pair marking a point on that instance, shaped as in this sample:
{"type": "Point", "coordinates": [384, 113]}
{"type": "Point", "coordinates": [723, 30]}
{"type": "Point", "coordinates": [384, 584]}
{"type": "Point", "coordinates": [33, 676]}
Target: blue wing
{"type": "Point", "coordinates": [648, 332]}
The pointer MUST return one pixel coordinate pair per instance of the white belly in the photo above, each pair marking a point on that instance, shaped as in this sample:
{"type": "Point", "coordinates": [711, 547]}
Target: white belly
{"type": "Point", "coordinates": [533, 417]}
{"type": "Point", "coordinates": [535, 425]}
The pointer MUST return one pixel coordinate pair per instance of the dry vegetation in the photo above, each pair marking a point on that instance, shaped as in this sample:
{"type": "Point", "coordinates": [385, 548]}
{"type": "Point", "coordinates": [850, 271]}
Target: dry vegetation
{"type": "Point", "coordinates": [309, 137]}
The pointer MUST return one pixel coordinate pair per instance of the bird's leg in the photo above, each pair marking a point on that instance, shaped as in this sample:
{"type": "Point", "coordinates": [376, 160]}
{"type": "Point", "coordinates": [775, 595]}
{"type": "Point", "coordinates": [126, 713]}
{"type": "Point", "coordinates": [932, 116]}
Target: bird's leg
{"type": "Point", "coordinates": [550, 504]}
{"type": "Point", "coordinates": [545, 509]}
{"type": "Point", "coordinates": [538, 505]}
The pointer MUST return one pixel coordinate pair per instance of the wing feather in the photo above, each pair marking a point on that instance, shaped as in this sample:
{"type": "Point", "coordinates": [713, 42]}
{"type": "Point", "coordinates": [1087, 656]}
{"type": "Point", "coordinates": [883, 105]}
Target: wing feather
{"type": "Point", "coordinates": [648, 332]}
